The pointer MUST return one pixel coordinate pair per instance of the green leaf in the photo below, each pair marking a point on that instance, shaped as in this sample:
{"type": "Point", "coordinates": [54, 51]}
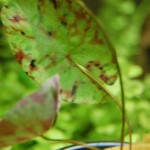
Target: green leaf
{"type": "Point", "coordinates": [61, 36]}
{"type": "Point", "coordinates": [32, 116]}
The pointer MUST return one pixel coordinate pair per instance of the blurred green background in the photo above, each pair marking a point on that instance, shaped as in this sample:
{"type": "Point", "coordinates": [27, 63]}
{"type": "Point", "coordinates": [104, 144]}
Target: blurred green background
{"type": "Point", "coordinates": [127, 25]}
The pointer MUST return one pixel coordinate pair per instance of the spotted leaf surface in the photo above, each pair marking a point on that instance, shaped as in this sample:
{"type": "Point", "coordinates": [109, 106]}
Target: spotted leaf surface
{"type": "Point", "coordinates": [58, 36]}
{"type": "Point", "coordinates": [32, 116]}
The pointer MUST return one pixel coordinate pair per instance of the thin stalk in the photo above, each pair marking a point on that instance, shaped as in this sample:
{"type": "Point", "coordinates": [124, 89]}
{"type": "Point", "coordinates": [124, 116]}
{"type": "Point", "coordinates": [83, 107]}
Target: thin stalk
{"type": "Point", "coordinates": [123, 112]}
{"type": "Point", "coordinates": [121, 107]}
{"type": "Point", "coordinates": [72, 142]}
{"type": "Point", "coordinates": [121, 82]}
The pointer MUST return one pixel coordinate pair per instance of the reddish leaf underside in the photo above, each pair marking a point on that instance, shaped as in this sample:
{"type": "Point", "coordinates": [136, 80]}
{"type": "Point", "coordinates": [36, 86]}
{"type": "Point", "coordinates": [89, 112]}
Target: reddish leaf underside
{"type": "Point", "coordinates": [32, 116]}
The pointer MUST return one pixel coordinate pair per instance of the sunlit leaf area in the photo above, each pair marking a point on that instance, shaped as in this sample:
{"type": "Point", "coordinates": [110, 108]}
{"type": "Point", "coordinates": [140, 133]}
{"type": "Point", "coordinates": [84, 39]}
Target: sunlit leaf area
{"type": "Point", "coordinates": [127, 24]}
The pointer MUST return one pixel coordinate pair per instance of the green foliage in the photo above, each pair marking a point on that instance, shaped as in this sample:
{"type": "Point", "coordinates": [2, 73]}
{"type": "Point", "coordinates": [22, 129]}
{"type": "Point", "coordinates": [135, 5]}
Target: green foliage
{"type": "Point", "coordinates": [72, 44]}
{"type": "Point", "coordinates": [124, 28]}
{"type": "Point", "coordinates": [122, 20]}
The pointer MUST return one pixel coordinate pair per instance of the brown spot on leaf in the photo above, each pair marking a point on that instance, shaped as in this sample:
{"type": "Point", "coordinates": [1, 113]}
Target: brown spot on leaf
{"type": "Point", "coordinates": [33, 66]}
{"type": "Point", "coordinates": [88, 67]}
{"type": "Point", "coordinates": [7, 128]}
{"type": "Point", "coordinates": [23, 33]}
{"type": "Point", "coordinates": [55, 3]}
{"type": "Point", "coordinates": [69, 1]}
{"type": "Point", "coordinates": [104, 78]}
{"type": "Point", "coordinates": [63, 20]}
{"type": "Point", "coordinates": [21, 139]}
{"type": "Point", "coordinates": [81, 14]}
{"type": "Point", "coordinates": [20, 56]}
{"type": "Point", "coordinates": [29, 128]}
{"type": "Point", "coordinates": [100, 68]}
{"type": "Point", "coordinates": [67, 94]}
{"type": "Point", "coordinates": [3, 144]}
{"type": "Point", "coordinates": [96, 64]}
{"type": "Point", "coordinates": [107, 79]}
{"type": "Point", "coordinates": [96, 39]}
{"type": "Point", "coordinates": [53, 61]}
{"type": "Point", "coordinates": [92, 64]}
{"type": "Point", "coordinates": [91, 61]}
{"type": "Point", "coordinates": [46, 124]}
{"type": "Point", "coordinates": [17, 19]}
{"type": "Point", "coordinates": [49, 33]}
{"type": "Point", "coordinates": [74, 88]}
{"type": "Point", "coordinates": [6, 6]}
{"type": "Point", "coordinates": [40, 6]}
{"type": "Point", "coordinates": [33, 78]}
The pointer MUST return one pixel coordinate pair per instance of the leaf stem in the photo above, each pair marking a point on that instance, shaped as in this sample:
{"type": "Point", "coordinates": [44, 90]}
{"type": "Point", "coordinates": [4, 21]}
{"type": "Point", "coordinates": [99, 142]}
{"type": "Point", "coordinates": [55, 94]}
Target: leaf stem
{"type": "Point", "coordinates": [121, 107]}
{"type": "Point", "coordinates": [72, 142]}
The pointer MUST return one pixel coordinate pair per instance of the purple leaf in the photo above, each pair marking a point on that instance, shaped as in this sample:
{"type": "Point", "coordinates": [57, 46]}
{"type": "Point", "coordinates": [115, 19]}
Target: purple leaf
{"type": "Point", "coordinates": [32, 116]}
